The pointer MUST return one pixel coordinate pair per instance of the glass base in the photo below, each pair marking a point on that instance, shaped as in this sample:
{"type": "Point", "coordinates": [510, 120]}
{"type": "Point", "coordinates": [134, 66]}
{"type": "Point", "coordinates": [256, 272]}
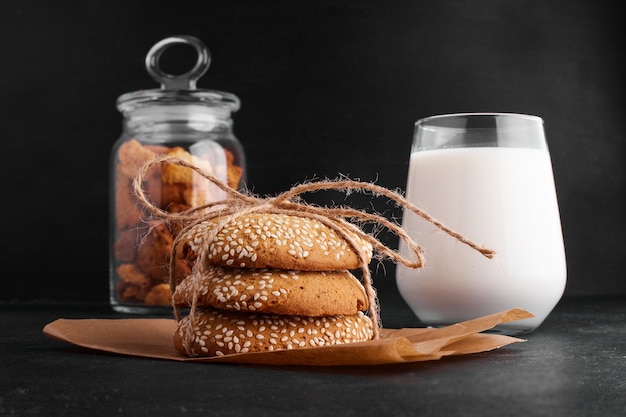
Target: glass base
{"type": "Point", "coordinates": [143, 309]}
{"type": "Point", "coordinates": [499, 329]}
{"type": "Point", "coordinates": [509, 330]}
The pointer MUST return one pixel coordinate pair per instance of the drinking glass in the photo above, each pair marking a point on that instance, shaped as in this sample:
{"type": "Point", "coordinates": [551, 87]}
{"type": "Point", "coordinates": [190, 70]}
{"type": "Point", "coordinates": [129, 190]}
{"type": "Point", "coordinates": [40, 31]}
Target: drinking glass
{"type": "Point", "coordinates": [487, 176]}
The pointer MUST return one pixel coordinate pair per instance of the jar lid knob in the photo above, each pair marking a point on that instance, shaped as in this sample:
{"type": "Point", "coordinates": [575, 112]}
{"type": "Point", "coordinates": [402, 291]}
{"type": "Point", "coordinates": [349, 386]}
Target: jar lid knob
{"type": "Point", "coordinates": [186, 81]}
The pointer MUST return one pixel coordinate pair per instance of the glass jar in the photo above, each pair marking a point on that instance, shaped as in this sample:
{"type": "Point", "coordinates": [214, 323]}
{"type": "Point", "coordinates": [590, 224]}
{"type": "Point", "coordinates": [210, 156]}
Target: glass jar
{"type": "Point", "coordinates": [177, 120]}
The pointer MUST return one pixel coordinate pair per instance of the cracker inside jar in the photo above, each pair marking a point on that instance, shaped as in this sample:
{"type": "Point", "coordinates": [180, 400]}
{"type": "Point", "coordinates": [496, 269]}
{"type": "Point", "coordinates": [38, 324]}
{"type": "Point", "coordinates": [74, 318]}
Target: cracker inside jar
{"type": "Point", "coordinates": [141, 251]}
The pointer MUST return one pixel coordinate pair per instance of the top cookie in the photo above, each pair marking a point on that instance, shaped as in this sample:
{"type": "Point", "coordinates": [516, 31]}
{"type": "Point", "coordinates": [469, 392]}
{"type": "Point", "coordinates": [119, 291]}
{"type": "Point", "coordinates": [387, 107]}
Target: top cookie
{"type": "Point", "coordinates": [261, 240]}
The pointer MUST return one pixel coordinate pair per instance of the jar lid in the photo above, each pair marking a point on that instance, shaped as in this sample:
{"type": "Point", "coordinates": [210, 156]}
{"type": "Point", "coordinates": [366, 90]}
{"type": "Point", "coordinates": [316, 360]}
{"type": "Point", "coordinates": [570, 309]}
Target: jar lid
{"type": "Point", "coordinates": [178, 89]}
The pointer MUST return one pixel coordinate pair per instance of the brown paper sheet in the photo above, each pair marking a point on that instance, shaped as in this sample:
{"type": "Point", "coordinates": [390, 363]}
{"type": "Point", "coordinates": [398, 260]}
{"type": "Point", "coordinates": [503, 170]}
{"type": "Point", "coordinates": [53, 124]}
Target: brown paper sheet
{"type": "Point", "coordinates": [152, 338]}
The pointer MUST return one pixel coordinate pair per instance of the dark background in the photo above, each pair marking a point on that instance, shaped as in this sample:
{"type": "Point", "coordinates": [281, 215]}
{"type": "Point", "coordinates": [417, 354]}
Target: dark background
{"type": "Point", "coordinates": [327, 88]}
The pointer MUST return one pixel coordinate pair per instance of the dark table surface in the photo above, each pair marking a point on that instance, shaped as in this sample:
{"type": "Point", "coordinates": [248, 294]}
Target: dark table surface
{"type": "Point", "coordinates": [573, 365]}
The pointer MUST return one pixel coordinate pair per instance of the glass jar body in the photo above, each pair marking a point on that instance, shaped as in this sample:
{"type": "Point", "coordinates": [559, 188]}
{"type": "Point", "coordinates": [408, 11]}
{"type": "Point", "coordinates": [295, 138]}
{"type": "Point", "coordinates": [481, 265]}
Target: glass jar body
{"type": "Point", "coordinates": [140, 246]}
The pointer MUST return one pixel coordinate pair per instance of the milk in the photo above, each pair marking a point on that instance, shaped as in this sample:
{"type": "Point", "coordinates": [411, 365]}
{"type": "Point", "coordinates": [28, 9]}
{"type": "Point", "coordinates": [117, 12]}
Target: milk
{"type": "Point", "coordinates": [501, 198]}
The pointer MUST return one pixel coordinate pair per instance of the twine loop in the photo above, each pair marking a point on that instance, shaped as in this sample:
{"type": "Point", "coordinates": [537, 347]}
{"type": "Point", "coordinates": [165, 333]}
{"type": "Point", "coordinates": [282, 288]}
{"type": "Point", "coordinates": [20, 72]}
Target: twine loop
{"type": "Point", "coordinates": [342, 220]}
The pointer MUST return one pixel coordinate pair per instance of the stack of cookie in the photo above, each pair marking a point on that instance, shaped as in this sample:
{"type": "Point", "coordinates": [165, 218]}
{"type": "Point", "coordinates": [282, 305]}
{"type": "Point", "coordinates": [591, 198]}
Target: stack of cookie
{"type": "Point", "coordinates": [270, 282]}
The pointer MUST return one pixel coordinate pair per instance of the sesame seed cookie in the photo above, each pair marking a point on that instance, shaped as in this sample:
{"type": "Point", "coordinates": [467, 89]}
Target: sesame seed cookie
{"type": "Point", "coordinates": [261, 240]}
{"type": "Point", "coordinates": [217, 333]}
{"type": "Point", "coordinates": [309, 293]}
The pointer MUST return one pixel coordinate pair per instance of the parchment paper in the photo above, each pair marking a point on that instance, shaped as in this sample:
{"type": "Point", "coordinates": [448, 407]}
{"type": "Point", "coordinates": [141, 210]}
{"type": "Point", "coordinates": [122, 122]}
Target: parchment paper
{"type": "Point", "coordinates": [152, 338]}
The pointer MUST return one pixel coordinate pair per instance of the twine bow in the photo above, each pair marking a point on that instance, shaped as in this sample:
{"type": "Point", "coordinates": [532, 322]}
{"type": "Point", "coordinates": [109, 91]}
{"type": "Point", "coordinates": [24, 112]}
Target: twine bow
{"type": "Point", "coordinates": [289, 202]}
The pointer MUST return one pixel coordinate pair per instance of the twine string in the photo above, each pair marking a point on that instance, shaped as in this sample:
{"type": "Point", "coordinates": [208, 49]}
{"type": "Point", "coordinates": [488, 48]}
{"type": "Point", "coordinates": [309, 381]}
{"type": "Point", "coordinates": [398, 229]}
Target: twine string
{"type": "Point", "coordinates": [290, 202]}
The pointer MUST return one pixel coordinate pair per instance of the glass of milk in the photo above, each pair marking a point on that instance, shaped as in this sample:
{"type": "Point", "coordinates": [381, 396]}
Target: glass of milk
{"type": "Point", "coordinates": [487, 176]}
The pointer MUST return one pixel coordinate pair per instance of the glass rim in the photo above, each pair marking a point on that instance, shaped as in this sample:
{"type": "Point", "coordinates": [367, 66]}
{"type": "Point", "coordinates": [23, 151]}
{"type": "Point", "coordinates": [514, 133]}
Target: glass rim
{"type": "Point", "coordinates": [425, 120]}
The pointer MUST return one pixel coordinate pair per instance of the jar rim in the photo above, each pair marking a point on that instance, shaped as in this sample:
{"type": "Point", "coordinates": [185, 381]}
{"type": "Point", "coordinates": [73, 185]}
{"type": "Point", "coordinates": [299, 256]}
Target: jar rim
{"type": "Point", "coordinates": [211, 98]}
